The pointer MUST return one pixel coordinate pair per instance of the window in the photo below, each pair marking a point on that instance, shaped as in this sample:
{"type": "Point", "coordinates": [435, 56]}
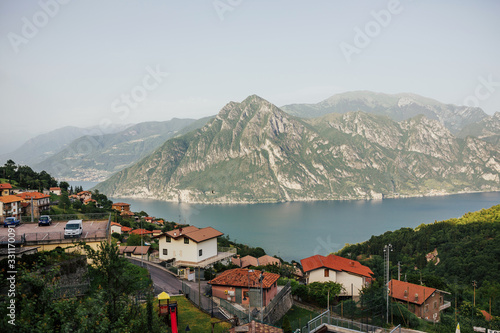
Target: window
{"type": "Point", "coordinates": [200, 253]}
{"type": "Point", "coordinates": [245, 294]}
{"type": "Point", "coordinates": [435, 304]}
{"type": "Point", "coordinates": [168, 239]}
{"type": "Point", "coordinates": [426, 309]}
{"type": "Point", "coordinates": [186, 240]}
{"type": "Point", "coordinates": [165, 252]}
{"type": "Point", "coordinates": [327, 272]}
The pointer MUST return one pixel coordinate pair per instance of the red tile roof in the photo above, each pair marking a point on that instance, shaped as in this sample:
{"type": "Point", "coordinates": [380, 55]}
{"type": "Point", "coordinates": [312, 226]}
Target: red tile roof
{"type": "Point", "coordinates": [55, 189]}
{"type": "Point", "coordinates": [5, 186]}
{"type": "Point", "coordinates": [254, 327]}
{"type": "Point", "coordinates": [486, 315]}
{"type": "Point", "coordinates": [240, 277]}
{"type": "Point", "coordinates": [34, 195]}
{"type": "Point", "coordinates": [121, 204]}
{"type": "Point", "coordinates": [192, 232]}
{"type": "Point", "coordinates": [141, 232]}
{"type": "Point", "coordinates": [10, 199]}
{"type": "Point", "coordinates": [268, 260]}
{"type": "Point", "coordinates": [335, 263]}
{"type": "Point", "coordinates": [126, 229]}
{"type": "Point", "coordinates": [414, 293]}
{"type": "Point", "coordinates": [137, 250]}
{"type": "Point", "coordinates": [115, 223]}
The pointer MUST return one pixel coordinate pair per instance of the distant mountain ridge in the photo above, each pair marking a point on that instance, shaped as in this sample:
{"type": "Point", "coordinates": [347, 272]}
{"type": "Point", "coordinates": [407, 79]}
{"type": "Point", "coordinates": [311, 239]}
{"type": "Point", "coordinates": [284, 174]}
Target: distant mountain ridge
{"type": "Point", "coordinates": [95, 158]}
{"type": "Point", "coordinates": [254, 152]}
{"type": "Point", "coordinates": [397, 107]}
{"type": "Point", "coordinates": [48, 144]}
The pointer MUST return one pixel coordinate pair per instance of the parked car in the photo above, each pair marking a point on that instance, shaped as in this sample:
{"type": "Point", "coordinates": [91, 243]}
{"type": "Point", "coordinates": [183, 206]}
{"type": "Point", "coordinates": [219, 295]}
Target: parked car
{"type": "Point", "coordinates": [44, 220]}
{"type": "Point", "coordinates": [11, 221]}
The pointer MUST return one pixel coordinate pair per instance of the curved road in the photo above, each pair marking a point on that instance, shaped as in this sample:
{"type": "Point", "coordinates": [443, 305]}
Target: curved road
{"type": "Point", "coordinates": [162, 279]}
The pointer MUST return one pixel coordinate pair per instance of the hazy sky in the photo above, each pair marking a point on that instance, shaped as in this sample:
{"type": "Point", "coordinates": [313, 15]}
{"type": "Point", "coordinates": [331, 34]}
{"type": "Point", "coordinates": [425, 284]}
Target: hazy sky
{"type": "Point", "coordinates": [92, 62]}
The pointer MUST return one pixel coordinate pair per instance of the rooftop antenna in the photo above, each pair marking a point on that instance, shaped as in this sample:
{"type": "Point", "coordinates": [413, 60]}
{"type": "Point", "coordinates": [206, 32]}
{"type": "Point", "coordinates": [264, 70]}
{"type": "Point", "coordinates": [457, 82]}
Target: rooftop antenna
{"type": "Point", "coordinates": [387, 250]}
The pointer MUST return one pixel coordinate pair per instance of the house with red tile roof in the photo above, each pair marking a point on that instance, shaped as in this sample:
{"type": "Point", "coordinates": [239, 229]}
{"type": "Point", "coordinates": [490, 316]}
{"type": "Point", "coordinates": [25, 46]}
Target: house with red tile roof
{"type": "Point", "coordinates": [41, 202]}
{"type": "Point", "coordinates": [55, 190]}
{"type": "Point", "coordinates": [349, 273]}
{"type": "Point", "coordinates": [234, 285]}
{"type": "Point", "coordinates": [116, 227]}
{"type": "Point", "coordinates": [121, 206]}
{"type": "Point", "coordinates": [10, 205]}
{"type": "Point", "coordinates": [84, 195]}
{"type": "Point", "coordinates": [191, 246]}
{"type": "Point", "coordinates": [5, 189]}
{"type": "Point", "coordinates": [425, 302]}
{"type": "Point", "coordinates": [135, 251]}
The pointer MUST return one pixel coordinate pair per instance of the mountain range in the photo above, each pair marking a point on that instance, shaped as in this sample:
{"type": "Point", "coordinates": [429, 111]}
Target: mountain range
{"type": "Point", "coordinates": [397, 107]}
{"type": "Point", "coordinates": [96, 157]}
{"type": "Point", "coordinates": [255, 152]}
{"type": "Point", "coordinates": [45, 145]}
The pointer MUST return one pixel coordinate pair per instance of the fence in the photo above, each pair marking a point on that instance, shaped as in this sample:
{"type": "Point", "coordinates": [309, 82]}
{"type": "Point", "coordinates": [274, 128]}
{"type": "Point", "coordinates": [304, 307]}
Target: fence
{"type": "Point", "coordinates": [327, 318]}
{"type": "Point", "coordinates": [204, 303]}
{"type": "Point", "coordinates": [67, 217]}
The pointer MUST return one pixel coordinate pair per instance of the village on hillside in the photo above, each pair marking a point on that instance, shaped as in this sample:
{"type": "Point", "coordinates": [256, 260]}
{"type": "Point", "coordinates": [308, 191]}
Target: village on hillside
{"type": "Point", "coordinates": [245, 286]}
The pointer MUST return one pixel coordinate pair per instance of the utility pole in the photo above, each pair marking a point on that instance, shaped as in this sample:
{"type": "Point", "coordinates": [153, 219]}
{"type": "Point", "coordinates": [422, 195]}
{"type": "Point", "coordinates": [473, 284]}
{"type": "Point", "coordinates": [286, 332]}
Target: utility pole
{"type": "Point", "coordinates": [387, 250]}
{"type": "Point", "coordinates": [474, 284]}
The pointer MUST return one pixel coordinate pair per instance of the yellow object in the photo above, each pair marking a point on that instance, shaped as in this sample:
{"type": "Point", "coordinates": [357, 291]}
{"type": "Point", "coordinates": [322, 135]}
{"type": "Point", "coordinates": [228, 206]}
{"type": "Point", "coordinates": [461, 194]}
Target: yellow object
{"type": "Point", "coordinates": [163, 296]}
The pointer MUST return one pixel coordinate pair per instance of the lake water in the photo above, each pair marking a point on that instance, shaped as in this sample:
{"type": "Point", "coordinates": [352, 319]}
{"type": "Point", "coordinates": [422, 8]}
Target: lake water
{"type": "Point", "coordinates": [296, 230]}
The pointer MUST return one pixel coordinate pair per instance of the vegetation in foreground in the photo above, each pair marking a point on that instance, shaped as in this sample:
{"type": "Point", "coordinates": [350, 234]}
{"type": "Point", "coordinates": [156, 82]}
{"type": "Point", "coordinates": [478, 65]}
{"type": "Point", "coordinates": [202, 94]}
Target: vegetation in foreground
{"type": "Point", "coordinates": [465, 251]}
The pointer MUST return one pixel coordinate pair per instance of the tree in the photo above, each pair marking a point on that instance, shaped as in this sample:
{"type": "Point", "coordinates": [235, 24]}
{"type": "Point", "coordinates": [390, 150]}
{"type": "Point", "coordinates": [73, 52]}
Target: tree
{"type": "Point", "coordinates": [134, 240]}
{"type": "Point", "coordinates": [116, 276]}
{"type": "Point", "coordinates": [286, 326]}
{"type": "Point", "coordinates": [64, 186]}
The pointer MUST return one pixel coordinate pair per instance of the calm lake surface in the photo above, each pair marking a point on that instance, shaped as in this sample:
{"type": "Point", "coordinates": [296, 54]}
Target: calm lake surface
{"type": "Point", "coordinates": [296, 230]}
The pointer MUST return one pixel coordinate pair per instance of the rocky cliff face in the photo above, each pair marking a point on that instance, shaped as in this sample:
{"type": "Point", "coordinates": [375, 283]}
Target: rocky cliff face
{"type": "Point", "coordinates": [254, 152]}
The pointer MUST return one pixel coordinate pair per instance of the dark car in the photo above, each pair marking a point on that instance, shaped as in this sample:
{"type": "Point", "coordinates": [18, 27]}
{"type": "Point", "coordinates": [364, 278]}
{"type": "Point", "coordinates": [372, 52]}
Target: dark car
{"type": "Point", "coordinates": [44, 220]}
{"type": "Point", "coordinates": [11, 221]}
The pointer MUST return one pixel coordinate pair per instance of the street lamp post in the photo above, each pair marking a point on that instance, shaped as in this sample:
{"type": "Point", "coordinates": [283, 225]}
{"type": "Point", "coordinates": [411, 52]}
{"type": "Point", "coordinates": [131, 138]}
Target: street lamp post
{"type": "Point", "coordinates": [387, 250]}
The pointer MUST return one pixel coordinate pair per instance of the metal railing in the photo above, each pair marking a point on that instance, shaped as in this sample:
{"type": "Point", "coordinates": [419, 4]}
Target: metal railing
{"type": "Point", "coordinates": [327, 318]}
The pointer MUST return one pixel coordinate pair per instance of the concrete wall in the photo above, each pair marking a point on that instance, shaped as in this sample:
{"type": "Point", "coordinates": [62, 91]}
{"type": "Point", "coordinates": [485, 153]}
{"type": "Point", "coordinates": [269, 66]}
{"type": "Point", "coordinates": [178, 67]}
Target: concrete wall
{"type": "Point", "coordinates": [347, 280]}
{"type": "Point", "coordinates": [318, 275]}
{"type": "Point", "coordinates": [209, 249]}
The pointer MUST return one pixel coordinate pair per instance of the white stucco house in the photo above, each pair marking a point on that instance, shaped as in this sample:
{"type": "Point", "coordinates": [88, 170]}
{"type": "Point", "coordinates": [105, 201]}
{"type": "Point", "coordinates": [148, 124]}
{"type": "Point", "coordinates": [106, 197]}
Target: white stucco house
{"type": "Point", "coordinates": [191, 246]}
{"type": "Point", "coordinates": [349, 273]}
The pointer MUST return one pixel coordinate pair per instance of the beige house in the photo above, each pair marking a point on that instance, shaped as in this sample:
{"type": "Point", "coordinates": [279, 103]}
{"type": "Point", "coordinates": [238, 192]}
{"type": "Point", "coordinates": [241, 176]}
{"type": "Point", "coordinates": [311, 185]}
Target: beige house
{"type": "Point", "coordinates": [191, 246]}
{"type": "Point", "coordinates": [116, 227]}
{"type": "Point", "coordinates": [349, 273]}
{"type": "Point", "coordinates": [10, 205]}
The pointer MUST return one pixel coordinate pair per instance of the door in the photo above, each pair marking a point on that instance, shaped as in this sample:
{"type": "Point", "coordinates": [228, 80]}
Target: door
{"type": "Point", "coordinates": [237, 295]}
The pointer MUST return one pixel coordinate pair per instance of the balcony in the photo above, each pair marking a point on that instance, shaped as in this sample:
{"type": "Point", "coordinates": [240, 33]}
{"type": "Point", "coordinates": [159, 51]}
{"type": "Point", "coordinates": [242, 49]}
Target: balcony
{"type": "Point", "coordinates": [446, 305]}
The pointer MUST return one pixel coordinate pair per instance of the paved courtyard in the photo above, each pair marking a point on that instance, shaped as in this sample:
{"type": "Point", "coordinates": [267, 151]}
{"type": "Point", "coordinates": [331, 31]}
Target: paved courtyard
{"type": "Point", "coordinates": [34, 233]}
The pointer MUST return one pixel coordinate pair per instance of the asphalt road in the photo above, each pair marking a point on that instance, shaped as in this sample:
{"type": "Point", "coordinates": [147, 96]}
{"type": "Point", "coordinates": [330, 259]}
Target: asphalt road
{"type": "Point", "coordinates": [162, 280]}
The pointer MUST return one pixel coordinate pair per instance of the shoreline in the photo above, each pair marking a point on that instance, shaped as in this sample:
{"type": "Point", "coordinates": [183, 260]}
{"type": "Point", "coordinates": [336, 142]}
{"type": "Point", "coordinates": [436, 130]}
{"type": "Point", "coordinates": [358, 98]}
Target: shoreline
{"type": "Point", "coordinates": [406, 196]}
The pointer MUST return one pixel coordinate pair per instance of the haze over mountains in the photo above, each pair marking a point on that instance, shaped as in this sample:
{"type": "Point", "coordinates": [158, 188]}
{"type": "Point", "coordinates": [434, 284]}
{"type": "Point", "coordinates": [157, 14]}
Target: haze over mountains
{"type": "Point", "coordinates": [352, 145]}
{"type": "Point", "coordinates": [255, 152]}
